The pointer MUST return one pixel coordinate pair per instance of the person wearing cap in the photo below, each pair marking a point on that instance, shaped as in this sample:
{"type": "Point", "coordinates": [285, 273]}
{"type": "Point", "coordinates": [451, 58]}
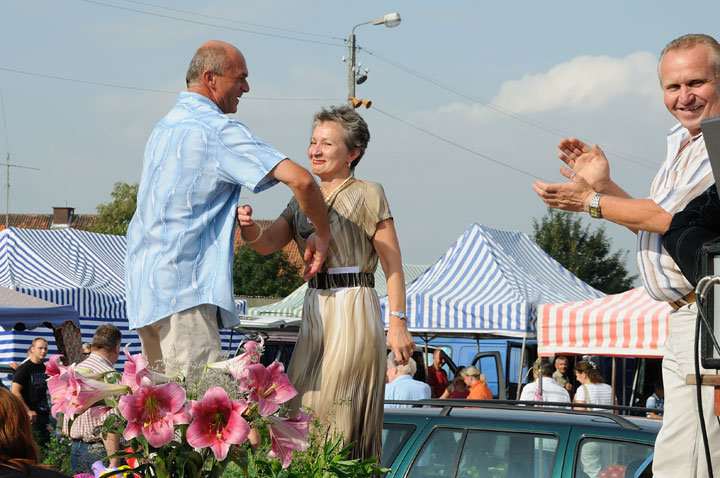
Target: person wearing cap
{"type": "Point", "coordinates": [689, 72]}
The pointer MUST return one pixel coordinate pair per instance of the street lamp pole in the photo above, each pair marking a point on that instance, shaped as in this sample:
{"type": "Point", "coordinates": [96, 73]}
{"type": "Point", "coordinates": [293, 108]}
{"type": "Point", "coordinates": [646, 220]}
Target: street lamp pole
{"type": "Point", "coordinates": [390, 20]}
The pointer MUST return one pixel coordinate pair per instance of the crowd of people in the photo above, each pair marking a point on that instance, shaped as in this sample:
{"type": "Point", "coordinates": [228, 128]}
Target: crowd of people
{"type": "Point", "coordinates": [178, 272]}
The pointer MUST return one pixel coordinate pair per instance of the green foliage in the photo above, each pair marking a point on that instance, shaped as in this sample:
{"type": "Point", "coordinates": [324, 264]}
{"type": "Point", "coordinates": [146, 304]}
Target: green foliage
{"type": "Point", "coordinates": [325, 458]}
{"type": "Point", "coordinates": [265, 276]}
{"type": "Point", "coordinates": [114, 217]}
{"type": "Point", "coordinates": [583, 252]}
{"type": "Point", "coordinates": [56, 453]}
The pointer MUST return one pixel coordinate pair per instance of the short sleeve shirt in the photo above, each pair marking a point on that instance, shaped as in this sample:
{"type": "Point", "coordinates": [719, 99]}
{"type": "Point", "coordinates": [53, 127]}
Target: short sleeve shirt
{"type": "Point", "coordinates": [684, 175]}
{"type": "Point", "coordinates": [180, 242]}
{"type": "Point", "coordinates": [33, 380]}
{"type": "Point", "coordinates": [353, 215]}
{"type": "Point", "coordinates": [404, 387]}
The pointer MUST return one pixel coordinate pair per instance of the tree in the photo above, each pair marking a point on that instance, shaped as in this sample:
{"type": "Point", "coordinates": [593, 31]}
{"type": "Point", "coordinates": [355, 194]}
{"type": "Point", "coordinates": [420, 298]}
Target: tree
{"type": "Point", "coordinates": [266, 276]}
{"type": "Point", "coordinates": [583, 252]}
{"type": "Point", "coordinates": [114, 217]}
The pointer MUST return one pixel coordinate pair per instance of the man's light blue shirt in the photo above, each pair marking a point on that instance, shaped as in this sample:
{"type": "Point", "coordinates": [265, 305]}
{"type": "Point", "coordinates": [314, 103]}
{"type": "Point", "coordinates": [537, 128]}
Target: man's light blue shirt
{"type": "Point", "coordinates": [180, 242]}
{"type": "Point", "coordinates": [405, 388]}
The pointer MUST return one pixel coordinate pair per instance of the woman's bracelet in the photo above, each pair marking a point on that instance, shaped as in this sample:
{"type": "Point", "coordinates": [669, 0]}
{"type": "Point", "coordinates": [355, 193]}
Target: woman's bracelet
{"type": "Point", "coordinates": [242, 236]}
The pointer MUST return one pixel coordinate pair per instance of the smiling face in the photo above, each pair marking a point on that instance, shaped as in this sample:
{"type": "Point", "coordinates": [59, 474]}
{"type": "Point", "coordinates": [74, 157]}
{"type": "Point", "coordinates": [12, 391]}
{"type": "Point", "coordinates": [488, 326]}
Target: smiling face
{"type": "Point", "coordinates": [561, 366]}
{"type": "Point", "coordinates": [328, 154]}
{"type": "Point", "coordinates": [230, 86]}
{"type": "Point", "coordinates": [690, 85]}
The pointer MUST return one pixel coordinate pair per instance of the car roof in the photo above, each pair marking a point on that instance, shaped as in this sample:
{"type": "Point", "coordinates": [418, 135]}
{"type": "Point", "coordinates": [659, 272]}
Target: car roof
{"type": "Point", "coordinates": [515, 413]}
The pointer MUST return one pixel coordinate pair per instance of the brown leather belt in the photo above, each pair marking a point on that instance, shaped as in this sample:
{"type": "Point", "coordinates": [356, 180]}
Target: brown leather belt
{"type": "Point", "coordinates": [687, 299]}
{"type": "Point", "coordinates": [323, 280]}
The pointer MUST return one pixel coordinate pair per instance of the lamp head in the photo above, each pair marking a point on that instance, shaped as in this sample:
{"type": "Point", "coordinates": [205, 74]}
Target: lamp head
{"type": "Point", "coordinates": [390, 20]}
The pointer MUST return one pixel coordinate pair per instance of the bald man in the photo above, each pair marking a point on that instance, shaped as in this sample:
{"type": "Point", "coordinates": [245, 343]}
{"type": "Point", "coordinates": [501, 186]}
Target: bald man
{"type": "Point", "coordinates": [180, 242]}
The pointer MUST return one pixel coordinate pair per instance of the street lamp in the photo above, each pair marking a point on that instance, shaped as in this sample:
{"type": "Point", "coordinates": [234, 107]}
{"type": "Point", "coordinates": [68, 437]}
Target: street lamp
{"type": "Point", "coordinates": [390, 20]}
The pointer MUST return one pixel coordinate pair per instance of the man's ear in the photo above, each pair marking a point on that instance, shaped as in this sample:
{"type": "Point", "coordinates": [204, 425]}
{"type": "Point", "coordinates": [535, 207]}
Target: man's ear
{"type": "Point", "coordinates": [208, 77]}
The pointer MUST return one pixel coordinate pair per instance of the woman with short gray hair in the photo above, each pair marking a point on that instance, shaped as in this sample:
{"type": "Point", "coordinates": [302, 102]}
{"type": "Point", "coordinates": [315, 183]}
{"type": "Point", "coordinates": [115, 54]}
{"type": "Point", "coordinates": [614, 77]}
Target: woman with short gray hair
{"type": "Point", "coordinates": [338, 365]}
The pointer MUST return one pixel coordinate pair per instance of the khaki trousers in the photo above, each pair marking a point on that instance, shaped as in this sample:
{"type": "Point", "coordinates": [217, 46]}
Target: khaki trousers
{"type": "Point", "coordinates": [177, 343]}
{"type": "Point", "coordinates": [679, 450]}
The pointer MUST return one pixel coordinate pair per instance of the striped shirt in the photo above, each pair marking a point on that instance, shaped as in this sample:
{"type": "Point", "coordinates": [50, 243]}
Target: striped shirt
{"type": "Point", "coordinates": [84, 425]}
{"type": "Point", "coordinates": [683, 176]}
{"type": "Point", "coordinates": [599, 393]}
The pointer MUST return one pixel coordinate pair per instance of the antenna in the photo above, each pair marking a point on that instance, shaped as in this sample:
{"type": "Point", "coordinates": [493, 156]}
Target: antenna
{"type": "Point", "coordinates": [8, 163]}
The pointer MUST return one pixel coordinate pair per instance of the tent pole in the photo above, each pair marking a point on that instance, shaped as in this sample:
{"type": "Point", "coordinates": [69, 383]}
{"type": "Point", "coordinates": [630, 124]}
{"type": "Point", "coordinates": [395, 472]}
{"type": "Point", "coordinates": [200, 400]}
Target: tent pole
{"type": "Point", "coordinates": [520, 373]}
{"type": "Point", "coordinates": [612, 381]}
{"type": "Point", "coordinates": [635, 380]}
{"type": "Point", "coordinates": [426, 339]}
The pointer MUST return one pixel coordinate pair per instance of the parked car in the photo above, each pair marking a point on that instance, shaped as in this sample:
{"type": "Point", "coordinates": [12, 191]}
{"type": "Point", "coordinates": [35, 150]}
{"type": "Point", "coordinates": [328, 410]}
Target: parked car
{"type": "Point", "coordinates": [511, 441]}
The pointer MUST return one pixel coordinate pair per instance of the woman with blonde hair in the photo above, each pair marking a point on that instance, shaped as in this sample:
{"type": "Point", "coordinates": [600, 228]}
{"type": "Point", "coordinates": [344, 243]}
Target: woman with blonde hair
{"type": "Point", "coordinates": [18, 451]}
{"type": "Point", "coordinates": [476, 383]}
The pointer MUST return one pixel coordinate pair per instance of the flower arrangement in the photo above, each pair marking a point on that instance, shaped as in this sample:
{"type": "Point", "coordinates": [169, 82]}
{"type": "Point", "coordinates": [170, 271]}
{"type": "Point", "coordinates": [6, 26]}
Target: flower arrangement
{"type": "Point", "coordinates": [173, 435]}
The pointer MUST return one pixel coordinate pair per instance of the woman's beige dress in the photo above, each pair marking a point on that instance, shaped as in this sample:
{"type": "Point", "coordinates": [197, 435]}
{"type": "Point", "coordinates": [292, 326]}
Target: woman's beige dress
{"type": "Point", "coordinates": [338, 365]}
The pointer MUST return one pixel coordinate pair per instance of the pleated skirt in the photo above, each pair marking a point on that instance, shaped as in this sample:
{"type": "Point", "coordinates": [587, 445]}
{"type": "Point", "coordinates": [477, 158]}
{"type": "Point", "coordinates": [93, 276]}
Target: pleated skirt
{"type": "Point", "coordinates": [338, 365]}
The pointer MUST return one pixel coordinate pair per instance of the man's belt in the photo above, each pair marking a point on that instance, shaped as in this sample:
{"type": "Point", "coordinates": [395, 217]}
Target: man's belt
{"type": "Point", "coordinates": [323, 280]}
{"type": "Point", "coordinates": [89, 442]}
{"type": "Point", "coordinates": [689, 298]}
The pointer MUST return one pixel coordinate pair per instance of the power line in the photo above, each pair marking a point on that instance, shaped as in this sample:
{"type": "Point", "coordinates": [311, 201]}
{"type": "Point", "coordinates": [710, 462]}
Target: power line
{"type": "Point", "coordinates": [633, 159]}
{"type": "Point", "coordinates": [233, 21]}
{"type": "Point", "coordinates": [472, 151]}
{"type": "Point", "coordinates": [207, 24]}
{"type": "Point", "coordinates": [151, 90]}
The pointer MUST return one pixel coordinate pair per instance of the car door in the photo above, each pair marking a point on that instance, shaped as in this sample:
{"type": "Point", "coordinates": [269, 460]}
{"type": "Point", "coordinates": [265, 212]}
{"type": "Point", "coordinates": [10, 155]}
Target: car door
{"type": "Point", "coordinates": [463, 447]}
{"type": "Point", "coordinates": [606, 451]}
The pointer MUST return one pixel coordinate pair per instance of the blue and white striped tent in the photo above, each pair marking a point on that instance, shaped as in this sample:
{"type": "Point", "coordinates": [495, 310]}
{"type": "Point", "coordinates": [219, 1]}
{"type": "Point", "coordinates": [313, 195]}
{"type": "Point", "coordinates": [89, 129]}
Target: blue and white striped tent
{"type": "Point", "coordinates": [489, 282]}
{"type": "Point", "coordinates": [68, 267]}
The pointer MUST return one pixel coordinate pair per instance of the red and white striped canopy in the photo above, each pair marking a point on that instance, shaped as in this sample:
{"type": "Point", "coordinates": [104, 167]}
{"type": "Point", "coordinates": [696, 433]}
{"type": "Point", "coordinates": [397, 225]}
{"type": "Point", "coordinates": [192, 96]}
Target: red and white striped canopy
{"type": "Point", "coordinates": [630, 324]}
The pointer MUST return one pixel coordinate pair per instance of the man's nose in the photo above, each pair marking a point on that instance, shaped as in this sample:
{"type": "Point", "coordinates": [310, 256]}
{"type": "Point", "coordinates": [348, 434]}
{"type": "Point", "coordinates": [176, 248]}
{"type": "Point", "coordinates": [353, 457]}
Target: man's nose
{"type": "Point", "coordinates": [686, 94]}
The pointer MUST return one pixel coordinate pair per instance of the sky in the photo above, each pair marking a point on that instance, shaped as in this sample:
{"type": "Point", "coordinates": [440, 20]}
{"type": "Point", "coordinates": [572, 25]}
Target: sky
{"type": "Point", "coordinates": [469, 98]}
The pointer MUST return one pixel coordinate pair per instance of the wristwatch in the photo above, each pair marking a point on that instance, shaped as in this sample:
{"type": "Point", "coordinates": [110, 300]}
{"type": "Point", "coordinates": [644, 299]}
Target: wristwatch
{"type": "Point", "coordinates": [398, 314]}
{"type": "Point", "coordinates": [594, 207]}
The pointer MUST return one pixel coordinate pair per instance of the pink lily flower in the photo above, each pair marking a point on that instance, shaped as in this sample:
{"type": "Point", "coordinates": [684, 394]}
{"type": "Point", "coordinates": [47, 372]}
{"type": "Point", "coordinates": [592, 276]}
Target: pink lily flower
{"type": "Point", "coordinates": [135, 369]}
{"type": "Point", "coordinates": [288, 435]}
{"type": "Point", "coordinates": [217, 422]}
{"type": "Point", "coordinates": [237, 366]}
{"type": "Point", "coordinates": [53, 366]}
{"type": "Point", "coordinates": [153, 411]}
{"type": "Point", "coordinates": [73, 393]}
{"type": "Point", "coordinates": [269, 387]}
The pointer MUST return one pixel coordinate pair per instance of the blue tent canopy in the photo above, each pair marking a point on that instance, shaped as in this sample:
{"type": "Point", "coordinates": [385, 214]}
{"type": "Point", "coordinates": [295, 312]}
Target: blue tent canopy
{"type": "Point", "coordinates": [489, 282]}
{"type": "Point", "coordinates": [77, 270]}
{"type": "Point", "coordinates": [20, 311]}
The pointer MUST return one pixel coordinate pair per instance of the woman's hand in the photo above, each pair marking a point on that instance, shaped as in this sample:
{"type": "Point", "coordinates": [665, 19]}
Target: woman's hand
{"type": "Point", "coordinates": [400, 341]}
{"type": "Point", "coordinates": [244, 216]}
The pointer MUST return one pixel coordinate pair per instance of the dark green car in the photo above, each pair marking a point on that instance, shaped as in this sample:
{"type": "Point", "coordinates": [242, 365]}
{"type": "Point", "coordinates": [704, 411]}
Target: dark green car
{"type": "Point", "coordinates": [511, 441]}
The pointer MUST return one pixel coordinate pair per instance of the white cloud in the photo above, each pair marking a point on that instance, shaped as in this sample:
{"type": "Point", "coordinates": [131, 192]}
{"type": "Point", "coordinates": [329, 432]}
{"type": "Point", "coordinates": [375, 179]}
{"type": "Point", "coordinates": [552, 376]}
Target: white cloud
{"type": "Point", "coordinates": [585, 82]}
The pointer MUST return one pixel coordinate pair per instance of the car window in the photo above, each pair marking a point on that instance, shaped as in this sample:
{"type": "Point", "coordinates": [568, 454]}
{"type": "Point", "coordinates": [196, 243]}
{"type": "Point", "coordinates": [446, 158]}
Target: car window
{"type": "Point", "coordinates": [597, 457]}
{"type": "Point", "coordinates": [394, 436]}
{"type": "Point", "coordinates": [484, 453]}
{"type": "Point", "coordinates": [437, 455]}
{"type": "Point", "coordinates": [499, 454]}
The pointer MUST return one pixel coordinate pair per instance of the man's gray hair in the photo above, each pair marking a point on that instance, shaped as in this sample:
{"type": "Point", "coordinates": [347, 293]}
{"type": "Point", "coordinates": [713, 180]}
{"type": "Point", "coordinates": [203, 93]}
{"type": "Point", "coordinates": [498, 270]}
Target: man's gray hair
{"type": "Point", "coordinates": [690, 40]}
{"type": "Point", "coordinates": [356, 134]}
{"type": "Point", "coordinates": [409, 368]}
{"type": "Point", "coordinates": [207, 57]}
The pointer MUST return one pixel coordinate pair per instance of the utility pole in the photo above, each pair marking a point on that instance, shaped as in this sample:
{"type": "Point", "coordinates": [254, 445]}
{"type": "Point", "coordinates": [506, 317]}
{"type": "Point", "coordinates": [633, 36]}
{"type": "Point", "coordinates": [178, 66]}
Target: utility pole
{"type": "Point", "coordinates": [7, 191]}
{"type": "Point", "coordinates": [390, 20]}
{"type": "Point", "coordinates": [7, 163]}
